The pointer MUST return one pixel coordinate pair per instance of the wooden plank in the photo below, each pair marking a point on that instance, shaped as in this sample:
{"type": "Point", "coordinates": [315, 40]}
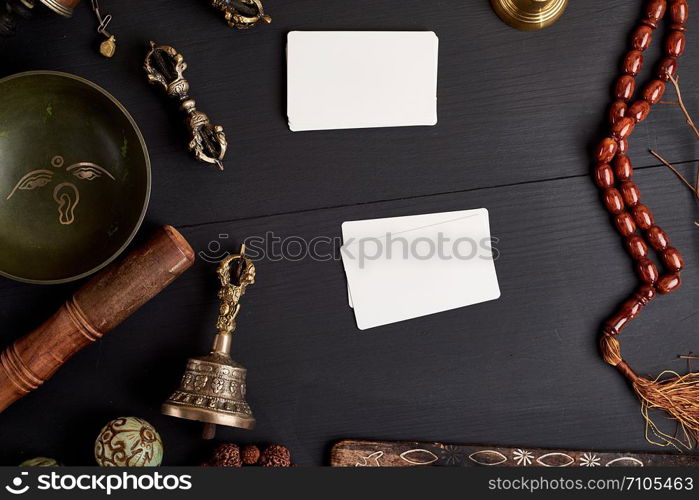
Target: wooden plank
{"type": "Point", "coordinates": [522, 370]}
{"type": "Point", "coordinates": [513, 107]}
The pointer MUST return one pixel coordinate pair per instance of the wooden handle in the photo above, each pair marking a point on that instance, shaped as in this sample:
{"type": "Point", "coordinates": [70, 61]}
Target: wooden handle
{"type": "Point", "coordinates": [96, 308]}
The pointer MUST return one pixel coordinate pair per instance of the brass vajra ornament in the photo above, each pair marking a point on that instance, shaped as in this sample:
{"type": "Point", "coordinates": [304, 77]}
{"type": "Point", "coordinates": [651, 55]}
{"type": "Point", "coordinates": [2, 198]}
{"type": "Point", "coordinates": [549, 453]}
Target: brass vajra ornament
{"type": "Point", "coordinates": [242, 14]}
{"type": "Point", "coordinates": [213, 387]}
{"type": "Point", "coordinates": [165, 66]}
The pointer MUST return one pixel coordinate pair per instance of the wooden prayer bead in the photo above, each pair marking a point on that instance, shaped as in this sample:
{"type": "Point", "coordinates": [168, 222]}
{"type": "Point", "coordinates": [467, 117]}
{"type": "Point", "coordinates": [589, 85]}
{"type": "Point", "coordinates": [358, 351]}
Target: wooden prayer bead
{"type": "Point", "coordinates": [641, 38]}
{"type": "Point", "coordinates": [643, 216]}
{"type": "Point", "coordinates": [654, 91]}
{"type": "Point", "coordinates": [623, 146]}
{"type": "Point", "coordinates": [636, 246]}
{"type": "Point", "coordinates": [647, 271]}
{"type": "Point", "coordinates": [679, 11]}
{"type": "Point", "coordinates": [655, 10]}
{"type": "Point", "coordinates": [657, 238]}
{"type": "Point", "coordinates": [613, 200]}
{"type": "Point", "coordinates": [625, 85]}
{"type": "Point", "coordinates": [606, 150]}
{"type": "Point", "coordinates": [633, 62]}
{"type": "Point", "coordinates": [638, 110]}
{"type": "Point", "coordinates": [672, 259]}
{"type": "Point", "coordinates": [622, 167]}
{"type": "Point", "coordinates": [623, 127]}
{"type": "Point", "coordinates": [675, 43]}
{"type": "Point", "coordinates": [667, 69]}
{"type": "Point", "coordinates": [629, 310]}
{"type": "Point", "coordinates": [603, 175]}
{"type": "Point", "coordinates": [625, 224]}
{"type": "Point", "coordinates": [630, 193]}
{"type": "Point", "coordinates": [617, 111]}
{"type": "Point", "coordinates": [645, 294]}
{"type": "Point", "coordinates": [676, 391]}
{"type": "Point", "coordinates": [668, 283]}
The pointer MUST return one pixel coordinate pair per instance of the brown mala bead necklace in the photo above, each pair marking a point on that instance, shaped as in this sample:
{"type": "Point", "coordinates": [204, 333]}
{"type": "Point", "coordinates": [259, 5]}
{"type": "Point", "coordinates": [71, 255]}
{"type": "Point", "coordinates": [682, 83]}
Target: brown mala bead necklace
{"type": "Point", "coordinates": [675, 394]}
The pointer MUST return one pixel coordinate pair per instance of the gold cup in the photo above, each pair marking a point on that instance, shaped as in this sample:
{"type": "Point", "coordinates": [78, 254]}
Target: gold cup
{"type": "Point", "coordinates": [529, 15]}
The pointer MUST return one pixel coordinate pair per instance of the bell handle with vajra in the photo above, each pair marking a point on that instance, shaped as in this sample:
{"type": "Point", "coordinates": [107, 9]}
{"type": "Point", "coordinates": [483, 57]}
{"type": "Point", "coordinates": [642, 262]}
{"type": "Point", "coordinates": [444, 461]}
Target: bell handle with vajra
{"type": "Point", "coordinates": [96, 308]}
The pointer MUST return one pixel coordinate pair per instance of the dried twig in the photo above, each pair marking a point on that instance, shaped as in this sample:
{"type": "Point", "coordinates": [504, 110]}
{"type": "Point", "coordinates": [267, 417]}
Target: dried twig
{"type": "Point", "coordinates": [677, 172]}
{"type": "Point", "coordinates": [676, 82]}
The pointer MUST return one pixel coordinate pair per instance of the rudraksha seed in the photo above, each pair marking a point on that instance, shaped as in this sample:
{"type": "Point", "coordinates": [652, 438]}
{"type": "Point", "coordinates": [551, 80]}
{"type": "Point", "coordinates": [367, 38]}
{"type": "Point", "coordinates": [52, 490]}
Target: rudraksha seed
{"type": "Point", "coordinates": [250, 455]}
{"type": "Point", "coordinates": [276, 456]}
{"type": "Point", "coordinates": [227, 455]}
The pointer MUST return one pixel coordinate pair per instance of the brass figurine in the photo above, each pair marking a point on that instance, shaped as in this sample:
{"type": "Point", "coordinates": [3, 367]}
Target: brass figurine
{"type": "Point", "coordinates": [165, 66]}
{"type": "Point", "coordinates": [213, 387]}
{"type": "Point", "coordinates": [529, 15]}
{"type": "Point", "coordinates": [242, 14]}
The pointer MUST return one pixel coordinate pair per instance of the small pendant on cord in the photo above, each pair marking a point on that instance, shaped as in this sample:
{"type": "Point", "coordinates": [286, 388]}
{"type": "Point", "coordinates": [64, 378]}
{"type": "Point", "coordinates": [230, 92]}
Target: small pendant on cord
{"type": "Point", "coordinates": [108, 46]}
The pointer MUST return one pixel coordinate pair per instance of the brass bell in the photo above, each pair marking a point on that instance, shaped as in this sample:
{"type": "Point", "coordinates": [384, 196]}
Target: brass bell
{"type": "Point", "coordinates": [529, 15]}
{"type": "Point", "coordinates": [213, 387]}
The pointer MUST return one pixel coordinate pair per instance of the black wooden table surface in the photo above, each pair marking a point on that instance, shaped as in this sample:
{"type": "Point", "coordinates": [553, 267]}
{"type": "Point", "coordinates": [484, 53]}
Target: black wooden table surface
{"type": "Point", "coordinates": [518, 114]}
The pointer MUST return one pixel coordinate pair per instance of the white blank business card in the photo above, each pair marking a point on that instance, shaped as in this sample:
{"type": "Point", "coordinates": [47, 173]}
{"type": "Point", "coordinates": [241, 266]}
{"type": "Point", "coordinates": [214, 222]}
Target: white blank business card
{"type": "Point", "coordinates": [361, 79]}
{"type": "Point", "coordinates": [401, 268]}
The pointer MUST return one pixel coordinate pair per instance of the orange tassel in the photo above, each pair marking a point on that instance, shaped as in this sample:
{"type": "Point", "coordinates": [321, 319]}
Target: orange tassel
{"type": "Point", "coordinates": [677, 395]}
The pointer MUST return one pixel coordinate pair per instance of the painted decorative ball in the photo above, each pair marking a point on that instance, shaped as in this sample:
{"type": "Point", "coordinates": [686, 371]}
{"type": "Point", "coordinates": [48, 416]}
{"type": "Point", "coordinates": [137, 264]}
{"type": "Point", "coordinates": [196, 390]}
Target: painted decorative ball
{"type": "Point", "coordinates": [40, 462]}
{"type": "Point", "coordinates": [128, 442]}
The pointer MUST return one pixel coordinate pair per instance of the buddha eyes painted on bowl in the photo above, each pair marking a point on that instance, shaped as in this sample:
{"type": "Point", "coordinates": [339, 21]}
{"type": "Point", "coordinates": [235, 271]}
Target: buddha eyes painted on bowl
{"type": "Point", "coordinates": [65, 193]}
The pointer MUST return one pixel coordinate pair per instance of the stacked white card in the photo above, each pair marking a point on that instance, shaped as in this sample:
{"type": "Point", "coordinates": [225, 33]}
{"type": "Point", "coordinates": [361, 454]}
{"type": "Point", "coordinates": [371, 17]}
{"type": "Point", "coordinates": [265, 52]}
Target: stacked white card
{"type": "Point", "coordinates": [402, 268]}
{"type": "Point", "coordinates": [355, 79]}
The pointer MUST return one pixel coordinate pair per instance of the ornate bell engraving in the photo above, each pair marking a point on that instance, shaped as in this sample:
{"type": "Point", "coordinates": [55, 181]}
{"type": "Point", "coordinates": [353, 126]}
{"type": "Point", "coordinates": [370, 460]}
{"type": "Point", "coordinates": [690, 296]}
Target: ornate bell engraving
{"type": "Point", "coordinates": [213, 387]}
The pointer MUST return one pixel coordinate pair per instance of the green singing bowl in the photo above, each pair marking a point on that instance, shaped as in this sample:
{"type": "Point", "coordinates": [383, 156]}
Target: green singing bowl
{"type": "Point", "coordinates": [74, 177]}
